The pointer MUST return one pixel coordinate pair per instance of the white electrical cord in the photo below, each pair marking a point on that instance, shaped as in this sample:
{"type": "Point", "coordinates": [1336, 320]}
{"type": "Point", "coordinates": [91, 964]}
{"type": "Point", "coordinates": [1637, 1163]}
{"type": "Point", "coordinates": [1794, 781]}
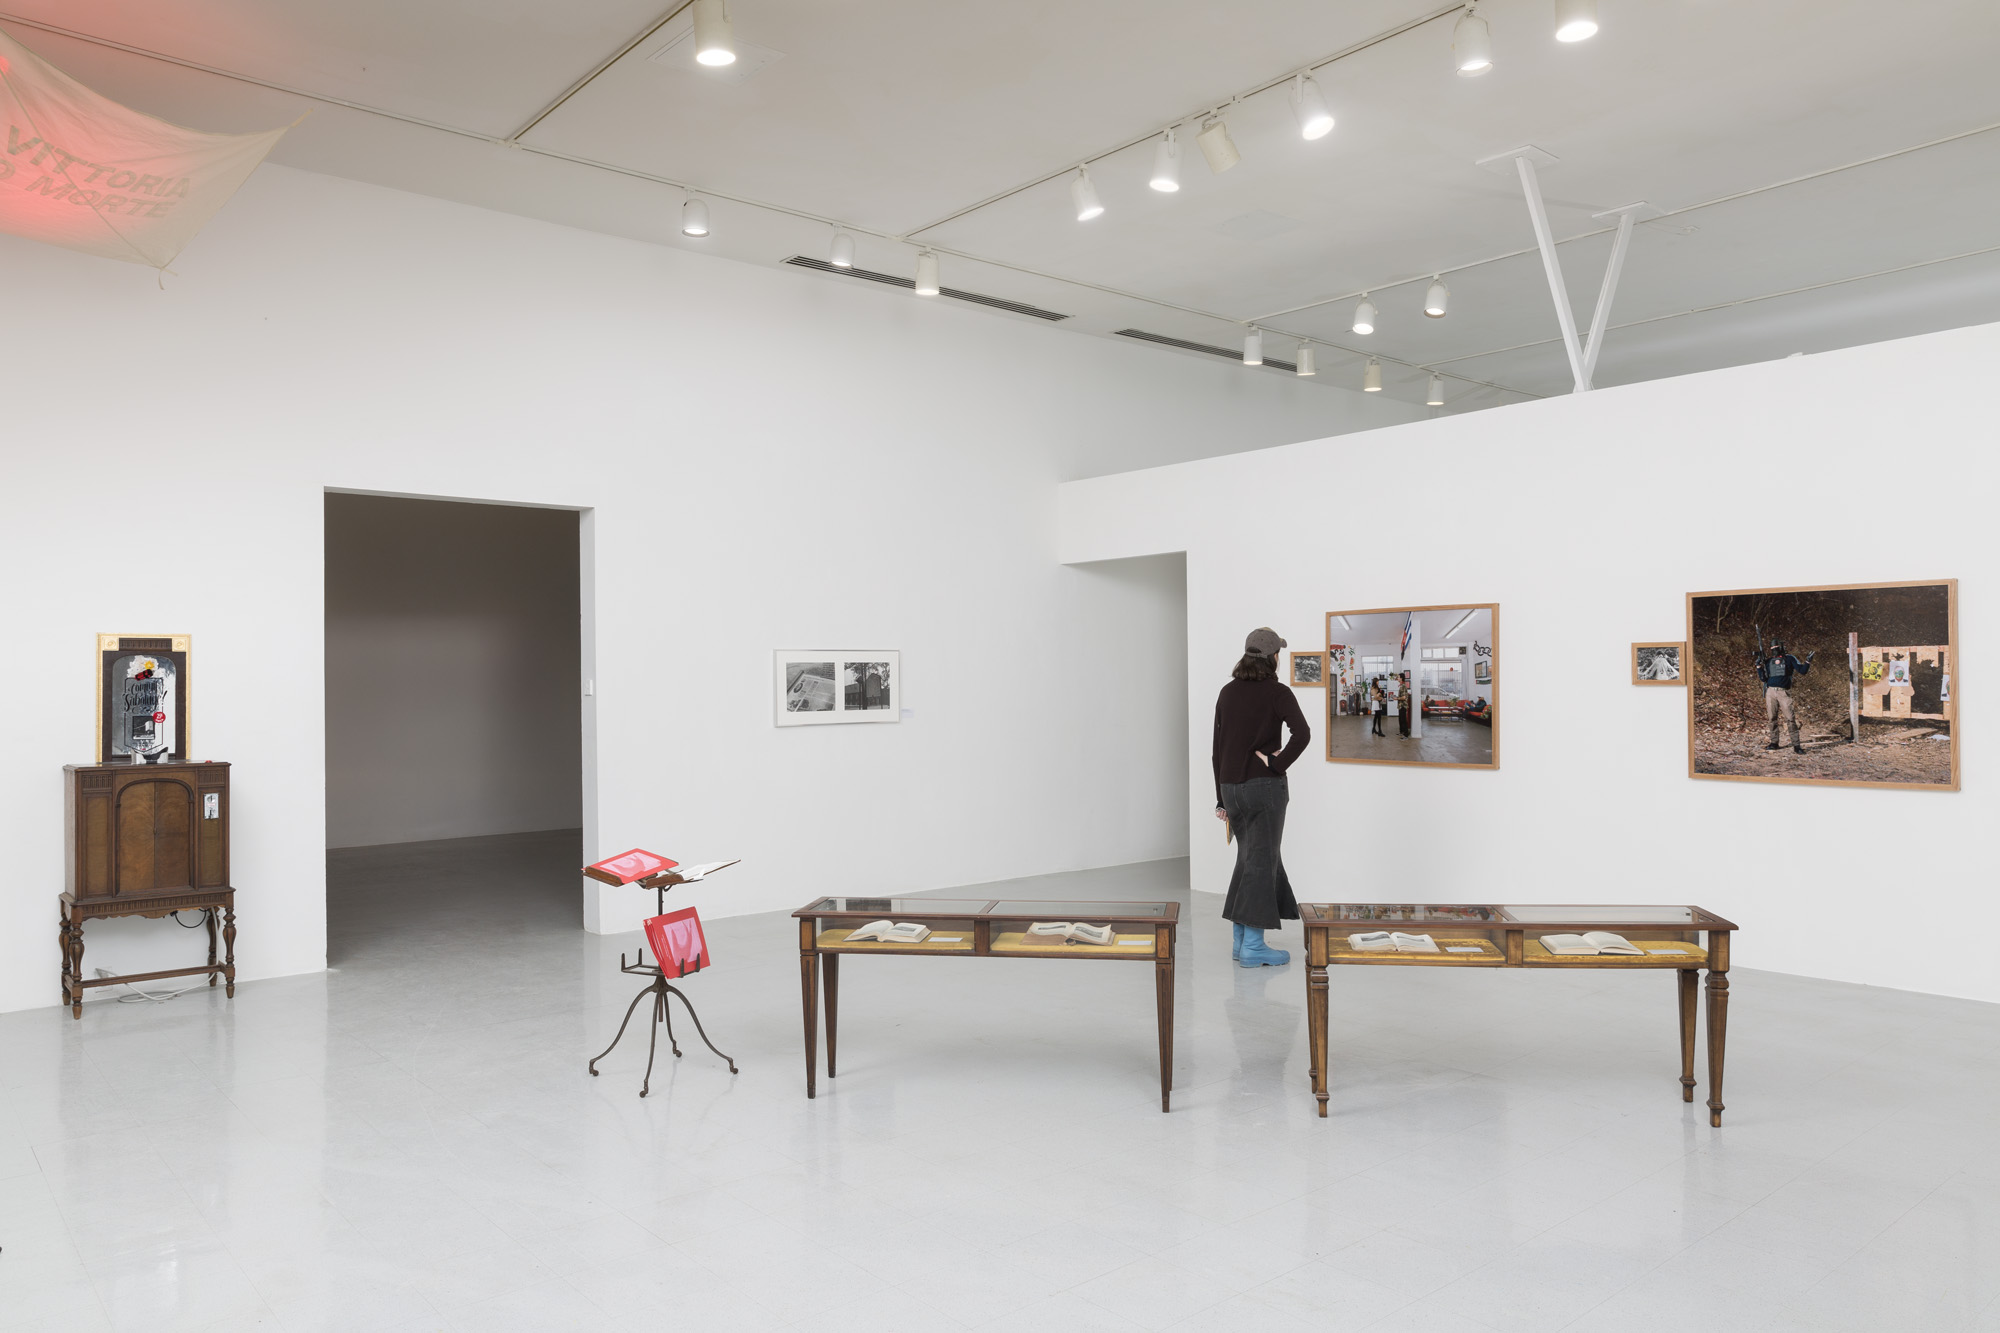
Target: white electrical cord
{"type": "Point", "coordinates": [138, 996]}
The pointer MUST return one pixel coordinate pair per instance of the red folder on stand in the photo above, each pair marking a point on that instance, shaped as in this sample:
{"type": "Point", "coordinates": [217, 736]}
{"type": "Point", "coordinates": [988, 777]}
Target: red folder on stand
{"type": "Point", "coordinates": [628, 866]}
{"type": "Point", "coordinates": [678, 942]}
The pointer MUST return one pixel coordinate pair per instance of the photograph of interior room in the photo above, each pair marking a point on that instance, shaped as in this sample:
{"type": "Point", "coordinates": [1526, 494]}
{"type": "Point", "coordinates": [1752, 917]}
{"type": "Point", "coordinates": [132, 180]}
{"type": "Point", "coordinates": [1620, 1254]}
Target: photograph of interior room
{"type": "Point", "coordinates": [462, 406]}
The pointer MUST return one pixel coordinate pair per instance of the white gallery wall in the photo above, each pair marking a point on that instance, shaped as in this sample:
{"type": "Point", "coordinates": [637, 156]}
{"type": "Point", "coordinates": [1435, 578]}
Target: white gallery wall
{"type": "Point", "coordinates": [760, 458]}
{"type": "Point", "coordinates": [453, 686]}
{"type": "Point", "coordinates": [1587, 519]}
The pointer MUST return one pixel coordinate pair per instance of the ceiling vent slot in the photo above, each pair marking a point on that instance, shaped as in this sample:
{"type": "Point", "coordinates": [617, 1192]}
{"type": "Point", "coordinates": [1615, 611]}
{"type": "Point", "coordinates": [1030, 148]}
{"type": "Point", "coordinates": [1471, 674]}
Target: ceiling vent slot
{"type": "Point", "coordinates": [909, 284]}
{"type": "Point", "coordinates": [1226, 353]}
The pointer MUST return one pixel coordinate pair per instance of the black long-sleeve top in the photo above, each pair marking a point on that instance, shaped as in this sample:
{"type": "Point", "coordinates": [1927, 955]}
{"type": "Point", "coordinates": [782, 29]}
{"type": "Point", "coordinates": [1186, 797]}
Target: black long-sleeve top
{"type": "Point", "coordinates": [1248, 715]}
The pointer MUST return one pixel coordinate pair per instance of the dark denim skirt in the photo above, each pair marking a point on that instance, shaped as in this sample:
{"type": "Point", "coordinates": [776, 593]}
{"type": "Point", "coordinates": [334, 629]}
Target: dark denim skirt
{"type": "Point", "coordinates": [1260, 894]}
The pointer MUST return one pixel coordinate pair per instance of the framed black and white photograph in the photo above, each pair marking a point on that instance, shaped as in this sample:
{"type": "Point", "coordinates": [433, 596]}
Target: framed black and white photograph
{"type": "Point", "coordinates": [1308, 669]}
{"type": "Point", "coordinates": [142, 698]}
{"type": "Point", "coordinates": [816, 686]}
{"type": "Point", "coordinates": [1658, 664]}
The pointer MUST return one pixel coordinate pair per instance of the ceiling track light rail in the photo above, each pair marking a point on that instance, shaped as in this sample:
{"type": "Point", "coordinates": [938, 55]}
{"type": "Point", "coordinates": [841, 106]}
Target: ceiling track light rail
{"type": "Point", "coordinates": [909, 284]}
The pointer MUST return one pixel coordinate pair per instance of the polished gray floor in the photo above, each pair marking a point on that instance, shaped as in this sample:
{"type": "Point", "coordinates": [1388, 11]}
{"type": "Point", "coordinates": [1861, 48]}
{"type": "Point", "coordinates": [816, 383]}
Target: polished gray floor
{"type": "Point", "coordinates": [410, 1142]}
{"type": "Point", "coordinates": [1446, 740]}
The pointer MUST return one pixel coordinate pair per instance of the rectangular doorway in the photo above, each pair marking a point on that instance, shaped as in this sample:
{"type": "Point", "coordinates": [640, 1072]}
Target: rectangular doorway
{"type": "Point", "coordinates": [454, 716]}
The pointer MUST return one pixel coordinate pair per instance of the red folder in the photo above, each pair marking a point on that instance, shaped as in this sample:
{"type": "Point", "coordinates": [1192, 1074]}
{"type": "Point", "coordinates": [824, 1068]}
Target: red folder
{"type": "Point", "coordinates": [628, 866]}
{"type": "Point", "coordinates": [678, 942]}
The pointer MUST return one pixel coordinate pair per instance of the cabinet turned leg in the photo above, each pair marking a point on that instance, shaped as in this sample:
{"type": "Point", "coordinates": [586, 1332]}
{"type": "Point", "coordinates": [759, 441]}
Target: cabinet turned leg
{"type": "Point", "coordinates": [76, 968]}
{"type": "Point", "coordinates": [1688, 983]}
{"type": "Point", "coordinates": [68, 962]}
{"type": "Point", "coordinates": [229, 955]}
{"type": "Point", "coordinates": [1718, 1033]}
{"type": "Point", "coordinates": [1163, 1017]}
{"type": "Point", "coordinates": [1316, 1034]}
{"type": "Point", "coordinates": [210, 914]}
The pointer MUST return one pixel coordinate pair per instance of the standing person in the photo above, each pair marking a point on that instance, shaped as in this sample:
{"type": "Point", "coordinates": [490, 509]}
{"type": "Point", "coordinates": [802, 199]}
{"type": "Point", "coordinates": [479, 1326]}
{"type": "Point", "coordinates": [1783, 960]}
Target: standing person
{"type": "Point", "coordinates": [1375, 708]}
{"type": "Point", "coordinates": [1251, 793]}
{"type": "Point", "coordinates": [1776, 670]}
{"type": "Point", "coordinates": [1403, 711]}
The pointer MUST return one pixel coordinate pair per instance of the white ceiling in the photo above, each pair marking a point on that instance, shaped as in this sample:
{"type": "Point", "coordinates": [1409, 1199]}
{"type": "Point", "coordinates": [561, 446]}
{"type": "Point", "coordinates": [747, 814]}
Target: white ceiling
{"type": "Point", "coordinates": [1825, 164]}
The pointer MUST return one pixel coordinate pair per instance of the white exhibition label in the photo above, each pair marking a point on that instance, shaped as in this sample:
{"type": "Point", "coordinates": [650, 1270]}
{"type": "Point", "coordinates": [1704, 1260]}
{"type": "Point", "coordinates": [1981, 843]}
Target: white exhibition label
{"type": "Point", "coordinates": [81, 171]}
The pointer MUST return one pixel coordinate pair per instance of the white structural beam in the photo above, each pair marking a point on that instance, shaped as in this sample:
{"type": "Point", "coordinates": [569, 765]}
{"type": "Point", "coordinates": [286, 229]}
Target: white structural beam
{"type": "Point", "coordinates": [1583, 352]}
{"type": "Point", "coordinates": [1539, 214]}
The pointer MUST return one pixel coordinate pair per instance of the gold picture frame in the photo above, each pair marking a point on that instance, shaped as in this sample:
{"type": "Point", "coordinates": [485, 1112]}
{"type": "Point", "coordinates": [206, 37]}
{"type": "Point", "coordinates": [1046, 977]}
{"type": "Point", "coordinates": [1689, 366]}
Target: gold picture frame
{"type": "Point", "coordinates": [1314, 665]}
{"type": "Point", "coordinates": [1718, 652]}
{"type": "Point", "coordinates": [174, 650]}
{"type": "Point", "coordinates": [1648, 669]}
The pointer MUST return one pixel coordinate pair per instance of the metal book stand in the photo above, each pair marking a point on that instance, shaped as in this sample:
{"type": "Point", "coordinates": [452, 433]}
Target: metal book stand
{"type": "Point", "coordinates": [659, 989]}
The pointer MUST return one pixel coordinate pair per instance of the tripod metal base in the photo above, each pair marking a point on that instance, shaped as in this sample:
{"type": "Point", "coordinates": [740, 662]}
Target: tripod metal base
{"type": "Point", "coordinates": [660, 989]}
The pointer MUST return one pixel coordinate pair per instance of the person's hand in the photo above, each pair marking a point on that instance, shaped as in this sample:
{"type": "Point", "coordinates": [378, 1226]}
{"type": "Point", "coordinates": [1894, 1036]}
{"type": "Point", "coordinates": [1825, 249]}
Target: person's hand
{"type": "Point", "coordinates": [1265, 757]}
{"type": "Point", "coordinates": [1222, 814]}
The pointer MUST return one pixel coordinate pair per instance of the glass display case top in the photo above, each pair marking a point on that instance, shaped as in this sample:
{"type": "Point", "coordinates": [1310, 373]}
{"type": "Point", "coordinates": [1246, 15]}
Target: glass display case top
{"type": "Point", "coordinates": [900, 907]}
{"type": "Point", "coordinates": [1558, 913]}
{"type": "Point", "coordinates": [1029, 908]}
{"type": "Point", "coordinates": [1520, 914]}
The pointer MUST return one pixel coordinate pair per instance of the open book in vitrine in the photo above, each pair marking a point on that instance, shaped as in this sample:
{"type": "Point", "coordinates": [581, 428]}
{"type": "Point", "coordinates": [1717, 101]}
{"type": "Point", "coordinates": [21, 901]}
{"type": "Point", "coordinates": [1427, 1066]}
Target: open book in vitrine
{"type": "Point", "coordinates": [891, 932]}
{"type": "Point", "coordinates": [1068, 932]}
{"type": "Point", "coordinates": [1390, 941]}
{"type": "Point", "coordinates": [1590, 942]}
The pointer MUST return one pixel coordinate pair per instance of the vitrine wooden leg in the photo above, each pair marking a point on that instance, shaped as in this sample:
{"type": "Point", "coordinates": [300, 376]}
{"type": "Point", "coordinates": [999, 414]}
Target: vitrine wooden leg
{"type": "Point", "coordinates": [1316, 1025]}
{"type": "Point", "coordinates": [212, 978]}
{"type": "Point", "coordinates": [68, 957]}
{"type": "Point", "coordinates": [1688, 984]}
{"type": "Point", "coordinates": [1163, 1004]}
{"type": "Point", "coordinates": [809, 987]}
{"type": "Point", "coordinates": [831, 965]}
{"type": "Point", "coordinates": [1718, 1034]}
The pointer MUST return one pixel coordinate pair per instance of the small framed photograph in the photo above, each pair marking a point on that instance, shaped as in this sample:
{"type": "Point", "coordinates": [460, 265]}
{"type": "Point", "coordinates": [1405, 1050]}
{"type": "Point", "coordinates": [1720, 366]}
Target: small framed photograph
{"type": "Point", "coordinates": [818, 686]}
{"type": "Point", "coordinates": [1309, 669]}
{"type": "Point", "coordinates": [1659, 664]}
{"type": "Point", "coordinates": [142, 698]}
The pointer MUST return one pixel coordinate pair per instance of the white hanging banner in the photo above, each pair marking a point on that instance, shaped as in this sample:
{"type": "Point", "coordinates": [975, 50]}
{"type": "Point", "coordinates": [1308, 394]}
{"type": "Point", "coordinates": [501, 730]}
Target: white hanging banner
{"type": "Point", "coordinates": [84, 172]}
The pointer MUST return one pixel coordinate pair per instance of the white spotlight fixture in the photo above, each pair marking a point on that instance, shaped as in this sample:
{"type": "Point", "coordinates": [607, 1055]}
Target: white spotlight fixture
{"type": "Point", "coordinates": [1315, 121]}
{"type": "Point", "coordinates": [694, 217]}
{"type": "Point", "coordinates": [1371, 378]}
{"type": "Point", "coordinates": [1216, 145]}
{"type": "Point", "coordinates": [1576, 20]}
{"type": "Point", "coordinates": [1435, 298]}
{"type": "Point", "coordinates": [1167, 163]}
{"type": "Point", "coordinates": [1253, 348]}
{"type": "Point", "coordinates": [1364, 317]}
{"type": "Point", "coordinates": [714, 43]}
{"type": "Point", "coordinates": [841, 253]}
{"type": "Point", "coordinates": [1306, 367]}
{"type": "Point", "coordinates": [927, 274]}
{"type": "Point", "coordinates": [1435, 398]}
{"type": "Point", "coordinates": [1471, 43]}
{"type": "Point", "coordinates": [1084, 195]}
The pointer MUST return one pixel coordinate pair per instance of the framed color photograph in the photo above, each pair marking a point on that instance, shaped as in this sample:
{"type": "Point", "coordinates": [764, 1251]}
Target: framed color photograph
{"type": "Point", "coordinates": [142, 698]}
{"type": "Point", "coordinates": [817, 686]}
{"type": "Point", "coordinates": [1850, 685]}
{"type": "Point", "coordinates": [1308, 669]}
{"type": "Point", "coordinates": [1414, 685]}
{"type": "Point", "coordinates": [1658, 664]}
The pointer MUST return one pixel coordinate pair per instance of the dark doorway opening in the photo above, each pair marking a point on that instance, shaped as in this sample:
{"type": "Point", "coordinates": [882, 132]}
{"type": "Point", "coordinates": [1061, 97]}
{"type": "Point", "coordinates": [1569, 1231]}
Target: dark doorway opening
{"type": "Point", "coordinates": [453, 709]}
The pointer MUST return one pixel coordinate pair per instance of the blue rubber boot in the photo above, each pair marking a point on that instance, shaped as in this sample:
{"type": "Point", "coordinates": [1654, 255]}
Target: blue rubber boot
{"type": "Point", "coordinates": [1236, 941]}
{"type": "Point", "coordinates": [1256, 953]}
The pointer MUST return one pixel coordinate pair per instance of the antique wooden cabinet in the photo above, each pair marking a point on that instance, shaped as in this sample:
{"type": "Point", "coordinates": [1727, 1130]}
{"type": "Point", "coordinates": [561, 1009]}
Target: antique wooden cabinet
{"type": "Point", "coordinates": [145, 840]}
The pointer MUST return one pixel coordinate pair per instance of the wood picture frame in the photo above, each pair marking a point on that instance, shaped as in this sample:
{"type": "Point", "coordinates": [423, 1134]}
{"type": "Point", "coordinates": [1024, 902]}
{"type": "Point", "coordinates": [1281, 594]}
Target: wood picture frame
{"type": "Point", "coordinates": [1714, 654]}
{"type": "Point", "coordinates": [1648, 669]}
{"type": "Point", "coordinates": [1306, 665]}
{"type": "Point", "coordinates": [116, 704]}
{"type": "Point", "coordinates": [1352, 642]}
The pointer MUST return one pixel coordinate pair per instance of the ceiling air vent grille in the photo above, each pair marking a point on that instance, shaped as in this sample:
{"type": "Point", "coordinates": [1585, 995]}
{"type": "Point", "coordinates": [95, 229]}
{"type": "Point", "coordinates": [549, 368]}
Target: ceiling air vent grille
{"type": "Point", "coordinates": [908, 284]}
{"type": "Point", "coordinates": [1227, 353]}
